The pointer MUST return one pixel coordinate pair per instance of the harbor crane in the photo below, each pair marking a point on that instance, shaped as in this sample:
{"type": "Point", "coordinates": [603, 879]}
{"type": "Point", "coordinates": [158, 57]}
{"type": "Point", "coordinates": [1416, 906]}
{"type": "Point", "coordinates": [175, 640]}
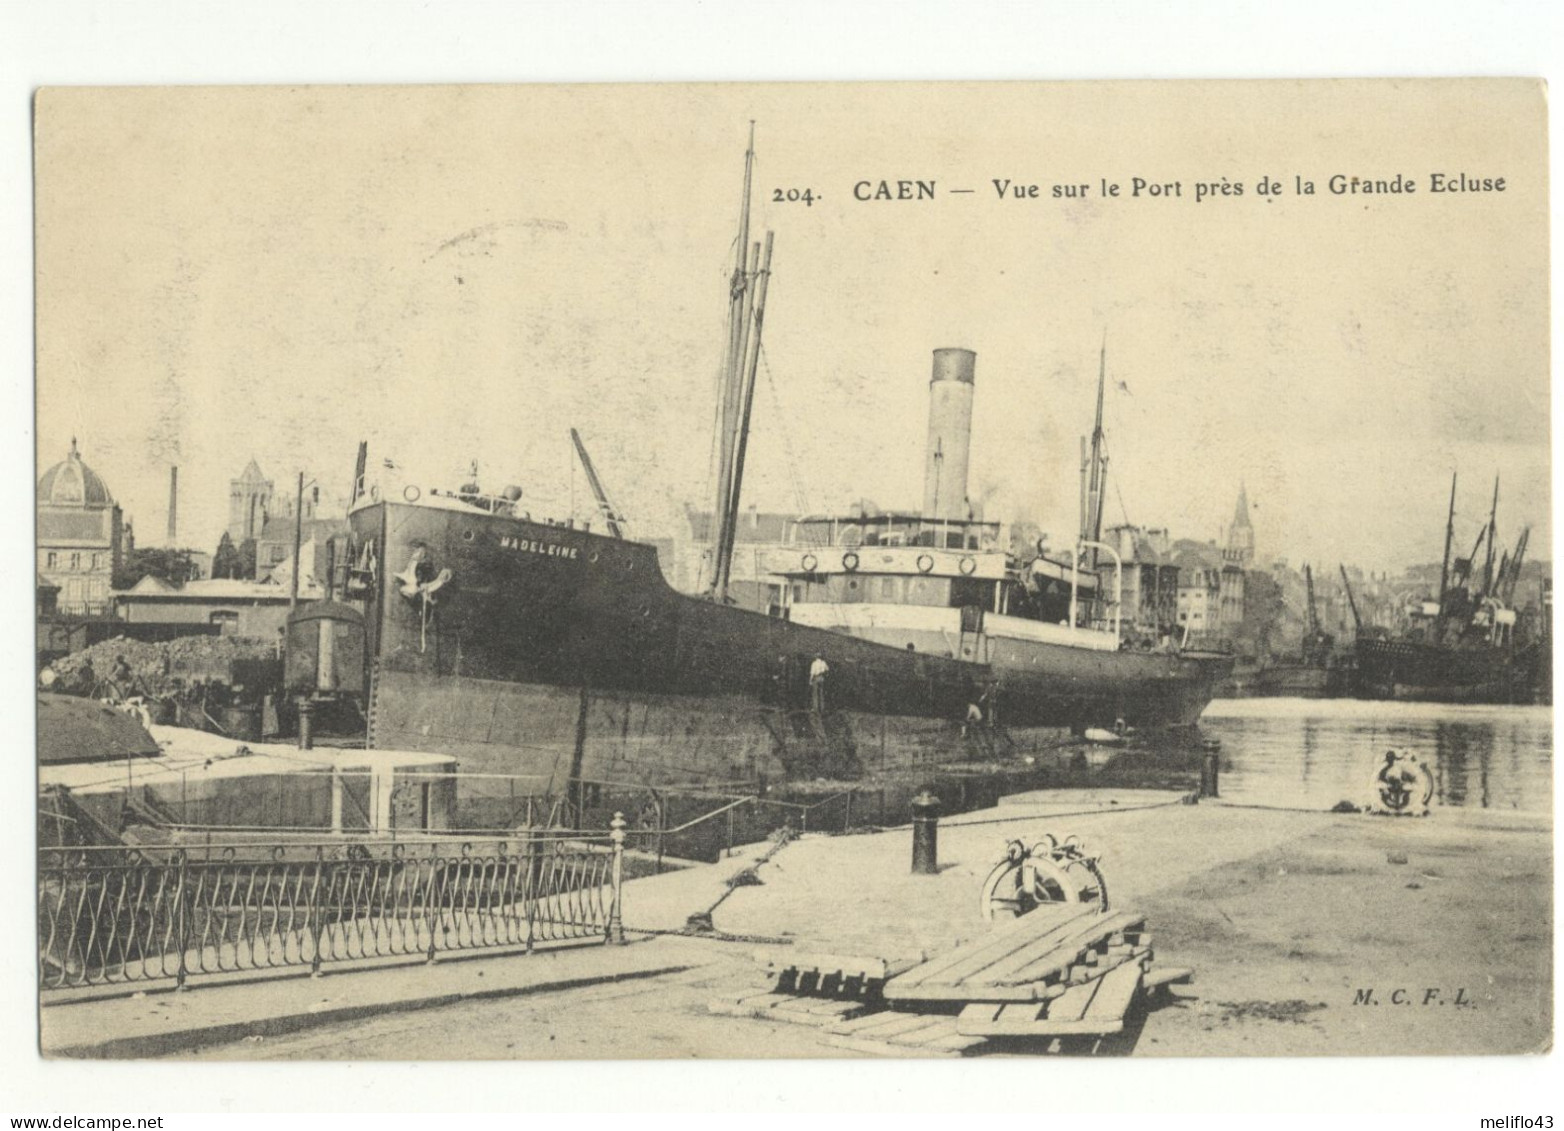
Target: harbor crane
{"type": "Point", "coordinates": [1357, 621]}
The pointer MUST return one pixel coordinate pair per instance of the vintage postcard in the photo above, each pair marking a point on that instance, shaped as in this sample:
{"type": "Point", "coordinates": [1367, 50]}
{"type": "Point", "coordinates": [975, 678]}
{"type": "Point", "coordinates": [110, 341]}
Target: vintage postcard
{"type": "Point", "coordinates": [927, 570]}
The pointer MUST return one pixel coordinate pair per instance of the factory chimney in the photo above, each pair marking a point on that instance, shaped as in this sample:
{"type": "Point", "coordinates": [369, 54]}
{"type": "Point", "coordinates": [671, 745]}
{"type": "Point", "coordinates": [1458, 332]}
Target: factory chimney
{"type": "Point", "coordinates": [173, 508]}
{"type": "Point", "coordinates": [950, 434]}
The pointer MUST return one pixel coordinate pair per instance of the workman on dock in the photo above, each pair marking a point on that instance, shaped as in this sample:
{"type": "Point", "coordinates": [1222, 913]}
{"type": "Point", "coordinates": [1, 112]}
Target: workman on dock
{"type": "Point", "coordinates": [817, 674]}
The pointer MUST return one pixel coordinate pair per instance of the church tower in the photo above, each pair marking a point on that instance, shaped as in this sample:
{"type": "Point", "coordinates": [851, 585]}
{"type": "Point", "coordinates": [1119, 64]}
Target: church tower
{"type": "Point", "coordinates": [249, 503]}
{"type": "Point", "coordinates": [1240, 536]}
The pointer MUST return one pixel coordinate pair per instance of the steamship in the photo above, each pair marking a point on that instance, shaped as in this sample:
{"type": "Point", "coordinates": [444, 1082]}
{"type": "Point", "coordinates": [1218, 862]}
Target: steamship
{"type": "Point", "coordinates": [527, 646]}
{"type": "Point", "coordinates": [1462, 647]}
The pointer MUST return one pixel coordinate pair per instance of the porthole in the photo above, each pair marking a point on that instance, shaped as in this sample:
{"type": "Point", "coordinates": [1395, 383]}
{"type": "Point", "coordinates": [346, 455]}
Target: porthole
{"type": "Point", "coordinates": [593, 556]}
{"type": "Point", "coordinates": [468, 535]}
{"type": "Point", "coordinates": [809, 562]}
{"type": "Point", "coordinates": [967, 565]}
{"type": "Point", "coordinates": [411, 493]}
{"type": "Point", "coordinates": [925, 562]}
{"type": "Point", "coordinates": [849, 561]}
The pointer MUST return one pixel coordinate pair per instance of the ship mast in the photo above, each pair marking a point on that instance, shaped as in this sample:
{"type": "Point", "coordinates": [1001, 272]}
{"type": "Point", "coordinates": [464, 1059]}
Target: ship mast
{"type": "Point", "coordinates": [1493, 533]}
{"type": "Point", "coordinates": [747, 399]}
{"type": "Point", "coordinates": [1313, 620]}
{"type": "Point", "coordinates": [1091, 520]}
{"type": "Point", "coordinates": [746, 310]}
{"type": "Point", "coordinates": [1444, 569]}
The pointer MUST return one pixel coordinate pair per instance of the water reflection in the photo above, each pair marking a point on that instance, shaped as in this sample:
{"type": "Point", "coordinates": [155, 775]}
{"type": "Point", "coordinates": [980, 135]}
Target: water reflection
{"type": "Point", "coordinates": [1313, 753]}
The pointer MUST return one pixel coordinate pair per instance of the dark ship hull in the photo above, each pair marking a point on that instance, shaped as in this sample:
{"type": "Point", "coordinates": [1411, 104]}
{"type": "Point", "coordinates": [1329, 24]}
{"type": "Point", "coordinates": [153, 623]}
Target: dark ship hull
{"type": "Point", "coordinates": [1409, 670]}
{"type": "Point", "coordinates": [562, 653]}
{"type": "Point", "coordinates": [1289, 681]}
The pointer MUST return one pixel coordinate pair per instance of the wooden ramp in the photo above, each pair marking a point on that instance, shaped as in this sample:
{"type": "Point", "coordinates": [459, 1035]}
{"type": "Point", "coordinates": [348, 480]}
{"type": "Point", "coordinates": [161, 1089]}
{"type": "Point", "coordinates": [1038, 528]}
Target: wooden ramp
{"type": "Point", "coordinates": [1090, 1009]}
{"type": "Point", "coordinates": [1063, 971]}
{"type": "Point", "coordinates": [814, 988]}
{"type": "Point", "coordinates": [1035, 958]}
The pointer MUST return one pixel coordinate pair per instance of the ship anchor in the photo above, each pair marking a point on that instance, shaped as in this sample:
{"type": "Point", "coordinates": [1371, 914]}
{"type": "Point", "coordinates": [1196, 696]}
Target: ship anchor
{"type": "Point", "coordinates": [419, 583]}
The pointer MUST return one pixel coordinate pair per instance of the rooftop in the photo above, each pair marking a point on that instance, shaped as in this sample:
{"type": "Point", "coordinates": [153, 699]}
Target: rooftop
{"type": "Point", "coordinates": [71, 483]}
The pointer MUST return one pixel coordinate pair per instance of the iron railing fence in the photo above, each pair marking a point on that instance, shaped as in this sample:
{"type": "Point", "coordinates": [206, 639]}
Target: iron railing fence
{"type": "Point", "coordinates": [109, 916]}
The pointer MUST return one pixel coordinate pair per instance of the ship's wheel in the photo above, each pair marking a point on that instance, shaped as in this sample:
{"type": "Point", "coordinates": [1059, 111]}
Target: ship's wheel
{"type": "Point", "coordinates": [1047, 872]}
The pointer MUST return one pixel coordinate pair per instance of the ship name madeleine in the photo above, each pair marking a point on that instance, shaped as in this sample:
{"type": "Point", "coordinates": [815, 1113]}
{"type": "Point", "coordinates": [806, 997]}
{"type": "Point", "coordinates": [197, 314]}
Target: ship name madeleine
{"type": "Point", "coordinates": [548, 549]}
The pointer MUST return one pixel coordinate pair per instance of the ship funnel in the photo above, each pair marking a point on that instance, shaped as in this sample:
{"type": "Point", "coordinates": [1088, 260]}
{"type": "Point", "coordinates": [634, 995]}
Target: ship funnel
{"type": "Point", "coordinates": [950, 434]}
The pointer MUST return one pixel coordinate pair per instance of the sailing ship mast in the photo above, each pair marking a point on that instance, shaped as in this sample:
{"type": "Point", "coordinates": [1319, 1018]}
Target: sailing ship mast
{"type": "Point", "coordinates": [1312, 616]}
{"type": "Point", "coordinates": [747, 401]}
{"type": "Point", "coordinates": [1095, 472]}
{"type": "Point", "coordinates": [1444, 569]}
{"type": "Point", "coordinates": [1493, 534]}
{"type": "Point", "coordinates": [746, 313]}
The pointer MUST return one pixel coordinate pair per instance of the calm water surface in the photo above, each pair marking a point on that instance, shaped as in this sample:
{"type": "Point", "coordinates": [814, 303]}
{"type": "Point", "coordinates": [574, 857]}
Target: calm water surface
{"type": "Point", "coordinates": [1312, 753]}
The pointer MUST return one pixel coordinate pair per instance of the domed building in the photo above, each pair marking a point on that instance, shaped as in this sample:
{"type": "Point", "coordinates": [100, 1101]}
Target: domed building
{"type": "Point", "coordinates": [81, 535]}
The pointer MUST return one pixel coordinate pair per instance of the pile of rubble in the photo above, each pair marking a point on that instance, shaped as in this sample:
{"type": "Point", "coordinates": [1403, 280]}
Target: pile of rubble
{"type": "Point", "coordinates": [159, 668]}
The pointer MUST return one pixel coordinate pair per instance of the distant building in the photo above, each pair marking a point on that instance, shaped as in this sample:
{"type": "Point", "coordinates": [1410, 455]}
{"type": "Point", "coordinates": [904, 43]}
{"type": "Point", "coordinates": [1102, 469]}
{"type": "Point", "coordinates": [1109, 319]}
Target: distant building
{"type": "Point", "coordinates": [1200, 602]}
{"type": "Point", "coordinates": [1232, 586]}
{"type": "Point", "coordinates": [274, 546]}
{"type": "Point", "coordinates": [249, 503]}
{"type": "Point", "coordinates": [238, 608]}
{"type": "Point", "coordinates": [1149, 603]}
{"type": "Point", "coordinates": [1239, 550]}
{"type": "Point", "coordinates": [81, 536]}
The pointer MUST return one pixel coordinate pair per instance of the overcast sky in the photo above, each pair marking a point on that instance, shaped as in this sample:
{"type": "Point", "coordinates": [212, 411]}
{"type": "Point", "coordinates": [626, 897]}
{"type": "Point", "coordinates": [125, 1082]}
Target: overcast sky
{"type": "Point", "coordinates": [458, 274]}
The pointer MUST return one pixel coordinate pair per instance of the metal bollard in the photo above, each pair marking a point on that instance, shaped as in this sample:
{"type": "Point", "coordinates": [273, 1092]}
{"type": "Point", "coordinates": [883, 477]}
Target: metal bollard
{"type": "Point", "coordinates": [616, 836]}
{"type": "Point", "coordinates": [925, 833]}
{"type": "Point", "coordinates": [306, 723]}
{"type": "Point", "coordinates": [1210, 764]}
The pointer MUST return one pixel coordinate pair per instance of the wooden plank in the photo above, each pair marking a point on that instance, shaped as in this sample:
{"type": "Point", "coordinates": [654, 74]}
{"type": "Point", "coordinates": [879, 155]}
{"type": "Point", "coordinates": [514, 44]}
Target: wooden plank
{"type": "Point", "coordinates": [1011, 1014]}
{"type": "Point", "coordinates": [1042, 1027]}
{"type": "Point", "coordinates": [1115, 991]}
{"type": "Point", "coordinates": [934, 1035]}
{"type": "Point", "coordinates": [847, 965]}
{"type": "Point", "coordinates": [955, 1043]}
{"type": "Point", "coordinates": [1071, 1006]}
{"type": "Point", "coordinates": [1030, 991]}
{"type": "Point", "coordinates": [867, 1044]}
{"type": "Point", "coordinates": [867, 1022]}
{"type": "Point", "coordinates": [802, 1005]}
{"type": "Point", "coordinates": [998, 940]}
{"type": "Point", "coordinates": [826, 1010]}
{"type": "Point", "coordinates": [755, 1005]}
{"type": "Point", "coordinates": [935, 1026]}
{"type": "Point", "coordinates": [1168, 975]}
{"type": "Point", "coordinates": [1038, 959]}
{"type": "Point", "coordinates": [981, 968]}
{"type": "Point", "coordinates": [982, 1011]}
{"type": "Point", "coordinates": [906, 1023]}
{"type": "Point", "coordinates": [1043, 944]}
{"type": "Point", "coordinates": [1040, 967]}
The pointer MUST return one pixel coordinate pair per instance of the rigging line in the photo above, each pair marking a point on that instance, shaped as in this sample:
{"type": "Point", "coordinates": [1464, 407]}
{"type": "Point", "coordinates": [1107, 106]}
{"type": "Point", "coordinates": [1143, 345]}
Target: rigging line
{"type": "Point", "coordinates": [1118, 486]}
{"type": "Point", "coordinates": [800, 499]}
